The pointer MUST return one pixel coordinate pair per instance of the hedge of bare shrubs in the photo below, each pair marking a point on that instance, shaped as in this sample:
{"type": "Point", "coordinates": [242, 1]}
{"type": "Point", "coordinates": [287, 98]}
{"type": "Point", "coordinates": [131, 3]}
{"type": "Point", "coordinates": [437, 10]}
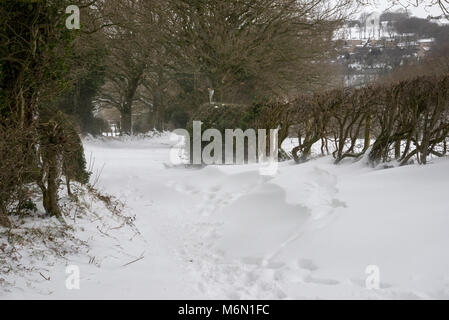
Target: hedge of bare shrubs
{"type": "Point", "coordinates": [403, 121]}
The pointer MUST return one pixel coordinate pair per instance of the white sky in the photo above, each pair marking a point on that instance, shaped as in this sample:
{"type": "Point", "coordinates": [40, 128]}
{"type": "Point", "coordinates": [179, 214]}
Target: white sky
{"type": "Point", "coordinates": [420, 11]}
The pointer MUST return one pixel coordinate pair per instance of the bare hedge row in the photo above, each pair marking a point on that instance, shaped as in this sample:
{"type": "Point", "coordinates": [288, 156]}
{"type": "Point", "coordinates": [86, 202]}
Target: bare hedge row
{"type": "Point", "coordinates": [399, 121]}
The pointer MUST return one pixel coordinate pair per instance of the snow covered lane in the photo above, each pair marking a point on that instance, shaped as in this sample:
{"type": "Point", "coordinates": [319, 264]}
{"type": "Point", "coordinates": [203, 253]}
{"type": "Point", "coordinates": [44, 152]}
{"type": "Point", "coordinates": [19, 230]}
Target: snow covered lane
{"type": "Point", "coordinates": [311, 231]}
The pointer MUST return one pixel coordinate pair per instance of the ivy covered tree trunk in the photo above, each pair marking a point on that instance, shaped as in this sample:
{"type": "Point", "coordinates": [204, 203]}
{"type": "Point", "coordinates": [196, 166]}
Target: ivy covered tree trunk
{"type": "Point", "coordinates": [50, 196]}
{"type": "Point", "coordinates": [55, 140]}
{"type": "Point", "coordinates": [50, 178]}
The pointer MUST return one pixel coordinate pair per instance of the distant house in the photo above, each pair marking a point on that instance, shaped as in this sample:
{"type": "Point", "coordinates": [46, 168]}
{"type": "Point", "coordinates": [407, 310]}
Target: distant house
{"type": "Point", "coordinates": [440, 20]}
{"type": "Point", "coordinates": [424, 46]}
{"type": "Point", "coordinates": [373, 26]}
{"type": "Point", "coordinates": [426, 42]}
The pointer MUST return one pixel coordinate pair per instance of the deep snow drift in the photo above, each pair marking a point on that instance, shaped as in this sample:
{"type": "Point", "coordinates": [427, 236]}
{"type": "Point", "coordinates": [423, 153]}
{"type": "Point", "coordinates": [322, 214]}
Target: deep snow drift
{"type": "Point", "coordinates": [309, 231]}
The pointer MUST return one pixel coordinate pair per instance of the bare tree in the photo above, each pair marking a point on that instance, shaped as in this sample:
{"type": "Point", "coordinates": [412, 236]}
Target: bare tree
{"type": "Point", "coordinates": [246, 50]}
{"type": "Point", "coordinates": [135, 46]}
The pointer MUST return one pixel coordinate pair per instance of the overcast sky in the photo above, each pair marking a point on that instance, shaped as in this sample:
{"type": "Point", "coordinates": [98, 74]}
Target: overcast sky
{"type": "Point", "coordinates": [421, 11]}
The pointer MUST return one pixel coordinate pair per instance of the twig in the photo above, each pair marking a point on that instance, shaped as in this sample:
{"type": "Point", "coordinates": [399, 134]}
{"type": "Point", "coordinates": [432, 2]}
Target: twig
{"type": "Point", "coordinates": [133, 261]}
{"type": "Point", "coordinates": [48, 279]}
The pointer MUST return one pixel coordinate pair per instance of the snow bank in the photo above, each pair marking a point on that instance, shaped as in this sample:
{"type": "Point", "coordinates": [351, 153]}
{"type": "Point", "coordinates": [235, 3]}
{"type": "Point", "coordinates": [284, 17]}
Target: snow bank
{"type": "Point", "coordinates": [335, 221]}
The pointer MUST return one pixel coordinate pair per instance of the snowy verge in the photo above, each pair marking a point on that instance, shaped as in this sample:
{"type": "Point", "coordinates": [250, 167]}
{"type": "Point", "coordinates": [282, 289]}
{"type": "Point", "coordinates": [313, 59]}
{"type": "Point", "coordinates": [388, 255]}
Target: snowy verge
{"type": "Point", "coordinates": [35, 252]}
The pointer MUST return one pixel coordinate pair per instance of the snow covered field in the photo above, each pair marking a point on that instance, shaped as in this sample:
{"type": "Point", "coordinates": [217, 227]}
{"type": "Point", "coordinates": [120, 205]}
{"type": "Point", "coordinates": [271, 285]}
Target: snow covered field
{"type": "Point", "coordinates": [310, 231]}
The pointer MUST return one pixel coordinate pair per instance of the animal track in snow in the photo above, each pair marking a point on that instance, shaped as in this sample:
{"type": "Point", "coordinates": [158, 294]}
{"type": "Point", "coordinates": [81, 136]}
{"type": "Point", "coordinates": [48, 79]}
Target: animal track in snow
{"type": "Point", "coordinates": [311, 279]}
{"type": "Point", "coordinates": [307, 264]}
{"type": "Point", "coordinates": [321, 188]}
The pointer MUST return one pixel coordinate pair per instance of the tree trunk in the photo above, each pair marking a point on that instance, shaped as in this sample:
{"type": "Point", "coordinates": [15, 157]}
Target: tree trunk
{"type": "Point", "coordinates": [50, 194]}
{"type": "Point", "coordinates": [126, 122]}
{"type": "Point", "coordinates": [424, 148]}
{"type": "Point", "coordinates": [397, 149]}
{"type": "Point", "coordinates": [367, 142]}
{"type": "Point", "coordinates": [126, 110]}
{"type": "Point", "coordinates": [67, 182]}
{"type": "Point", "coordinates": [158, 110]}
{"type": "Point", "coordinates": [307, 151]}
{"type": "Point", "coordinates": [4, 221]}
